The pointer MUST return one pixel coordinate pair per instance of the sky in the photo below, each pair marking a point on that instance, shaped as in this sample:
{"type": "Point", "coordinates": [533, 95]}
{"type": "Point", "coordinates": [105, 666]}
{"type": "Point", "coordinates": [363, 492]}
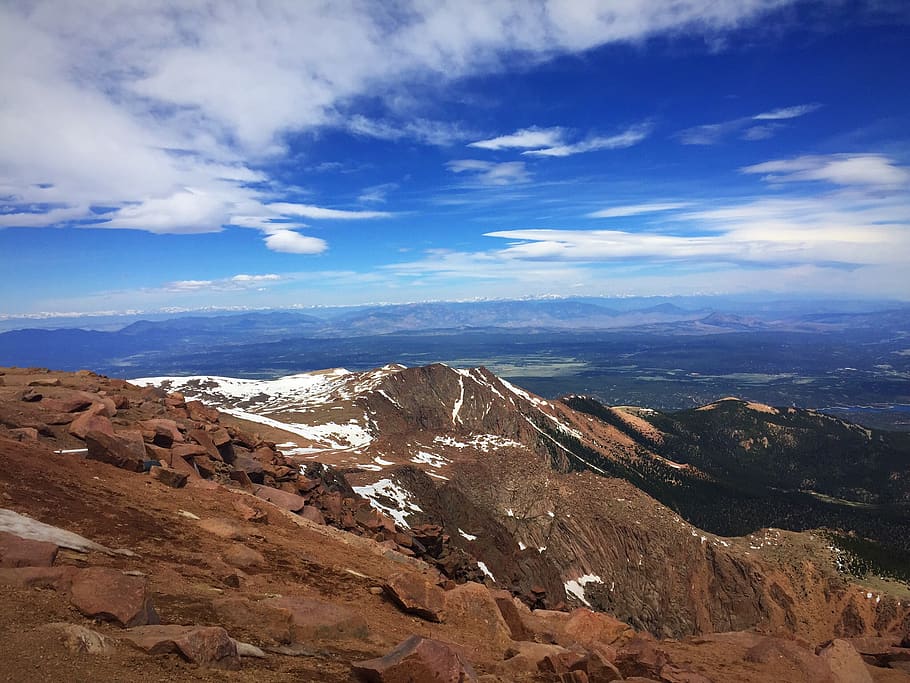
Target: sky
{"type": "Point", "coordinates": [183, 155]}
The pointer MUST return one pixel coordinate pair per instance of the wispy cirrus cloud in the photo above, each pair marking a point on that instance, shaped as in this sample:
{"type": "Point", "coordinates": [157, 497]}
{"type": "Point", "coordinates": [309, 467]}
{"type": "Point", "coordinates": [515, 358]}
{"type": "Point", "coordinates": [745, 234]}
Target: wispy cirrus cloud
{"type": "Point", "coordinates": [491, 173]}
{"type": "Point", "coordinates": [636, 209]}
{"type": "Point", "coordinates": [238, 282]}
{"type": "Point", "coordinates": [840, 169]}
{"type": "Point", "coordinates": [525, 138]}
{"type": "Point", "coordinates": [714, 133]}
{"type": "Point", "coordinates": [627, 138]}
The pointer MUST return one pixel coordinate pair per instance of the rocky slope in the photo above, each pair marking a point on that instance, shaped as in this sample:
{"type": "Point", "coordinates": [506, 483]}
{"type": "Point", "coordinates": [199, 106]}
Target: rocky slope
{"type": "Point", "coordinates": [391, 499]}
{"type": "Point", "coordinates": [525, 485]}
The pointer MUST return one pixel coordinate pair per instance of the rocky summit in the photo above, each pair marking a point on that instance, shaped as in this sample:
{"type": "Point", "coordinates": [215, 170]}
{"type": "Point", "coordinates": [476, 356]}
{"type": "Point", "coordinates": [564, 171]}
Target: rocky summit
{"type": "Point", "coordinates": [426, 524]}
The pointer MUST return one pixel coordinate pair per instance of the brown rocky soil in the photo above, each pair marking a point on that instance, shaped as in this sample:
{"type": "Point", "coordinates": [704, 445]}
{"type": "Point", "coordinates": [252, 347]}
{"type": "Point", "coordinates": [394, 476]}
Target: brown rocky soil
{"type": "Point", "coordinates": [316, 598]}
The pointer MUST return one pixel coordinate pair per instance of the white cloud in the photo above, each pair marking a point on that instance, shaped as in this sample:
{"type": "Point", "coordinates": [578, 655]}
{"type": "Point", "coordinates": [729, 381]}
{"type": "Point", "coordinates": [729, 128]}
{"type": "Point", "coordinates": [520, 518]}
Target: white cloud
{"type": "Point", "coordinates": [188, 285]}
{"type": "Point", "coordinates": [636, 209]}
{"type": "Point", "coordinates": [290, 242]}
{"type": "Point", "coordinates": [787, 112]}
{"type": "Point", "coordinates": [490, 173]}
{"type": "Point", "coordinates": [376, 193]}
{"type": "Point", "coordinates": [526, 138]}
{"type": "Point", "coordinates": [713, 133]}
{"type": "Point", "coordinates": [428, 132]}
{"type": "Point", "coordinates": [319, 212]}
{"type": "Point", "coordinates": [244, 278]}
{"type": "Point", "coordinates": [161, 111]}
{"type": "Point", "coordinates": [840, 169]}
{"type": "Point", "coordinates": [629, 137]}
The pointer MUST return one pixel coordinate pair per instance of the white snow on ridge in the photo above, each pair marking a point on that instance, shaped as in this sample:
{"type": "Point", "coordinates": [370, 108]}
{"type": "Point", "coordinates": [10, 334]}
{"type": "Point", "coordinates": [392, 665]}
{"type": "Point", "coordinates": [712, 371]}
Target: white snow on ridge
{"type": "Point", "coordinates": [330, 436]}
{"type": "Point", "coordinates": [485, 570]}
{"type": "Point", "coordinates": [464, 534]}
{"type": "Point", "coordinates": [576, 587]}
{"type": "Point", "coordinates": [431, 459]}
{"type": "Point", "coordinates": [458, 403]}
{"type": "Point", "coordinates": [388, 489]}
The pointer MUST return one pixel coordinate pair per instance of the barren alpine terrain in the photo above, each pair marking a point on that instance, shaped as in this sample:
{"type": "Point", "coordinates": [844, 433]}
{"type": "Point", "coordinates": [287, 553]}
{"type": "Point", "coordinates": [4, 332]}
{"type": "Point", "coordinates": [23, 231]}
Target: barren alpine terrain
{"type": "Point", "coordinates": [399, 524]}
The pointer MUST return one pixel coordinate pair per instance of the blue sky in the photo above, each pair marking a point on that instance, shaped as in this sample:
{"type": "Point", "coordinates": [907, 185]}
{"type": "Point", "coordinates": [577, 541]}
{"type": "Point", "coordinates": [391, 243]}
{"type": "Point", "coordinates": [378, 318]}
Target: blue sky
{"type": "Point", "coordinates": [177, 156]}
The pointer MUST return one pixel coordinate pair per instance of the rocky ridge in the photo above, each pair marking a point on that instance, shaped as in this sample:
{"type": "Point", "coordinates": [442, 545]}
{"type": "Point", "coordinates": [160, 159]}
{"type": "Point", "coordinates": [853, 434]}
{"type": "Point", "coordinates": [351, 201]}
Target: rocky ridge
{"type": "Point", "coordinates": [267, 564]}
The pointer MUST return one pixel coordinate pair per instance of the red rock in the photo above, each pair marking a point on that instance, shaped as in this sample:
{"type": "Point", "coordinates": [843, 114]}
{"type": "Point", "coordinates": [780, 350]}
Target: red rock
{"type": "Point", "coordinates": [251, 514]}
{"type": "Point", "coordinates": [872, 645]}
{"type": "Point", "coordinates": [639, 657]}
{"type": "Point", "coordinates": [813, 668]}
{"type": "Point", "coordinates": [283, 499]}
{"type": "Point", "coordinates": [24, 434]}
{"type": "Point", "coordinates": [23, 552]}
{"type": "Point", "coordinates": [523, 658]}
{"type": "Point", "coordinates": [417, 659]}
{"type": "Point", "coordinates": [510, 615]}
{"type": "Point", "coordinates": [164, 432]}
{"type": "Point", "coordinates": [242, 478]}
{"type": "Point", "coordinates": [204, 465]}
{"type": "Point", "coordinates": [317, 620]}
{"type": "Point", "coordinates": [471, 606]}
{"type": "Point", "coordinates": [265, 622]}
{"type": "Point", "coordinates": [242, 557]}
{"type": "Point", "coordinates": [72, 403]}
{"type": "Point", "coordinates": [169, 477]}
{"type": "Point", "coordinates": [125, 450]}
{"type": "Point", "coordinates": [845, 662]}
{"type": "Point", "coordinates": [220, 437]}
{"type": "Point", "coordinates": [209, 646]}
{"type": "Point", "coordinates": [88, 422]}
{"type": "Point", "coordinates": [312, 513]}
{"type": "Point", "coordinates": [562, 662]}
{"type": "Point", "coordinates": [203, 439]}
{"type": "Point", "coordinates": [187, 468]}
{"type": "Point", "coordinates": [186, 451]}
{"type": "Point", "coordinates": [102, 593]}
{"type": "Point", "coordinates": [57, 578]}
{"type": "Point", "coordinates": [251, 466]}
{"type": "Point", "coordinates": [200, 412]}
{"type": "Point", "coordinates": [586, 628]}
{"type": "Point", "coordinates": [415, 594]}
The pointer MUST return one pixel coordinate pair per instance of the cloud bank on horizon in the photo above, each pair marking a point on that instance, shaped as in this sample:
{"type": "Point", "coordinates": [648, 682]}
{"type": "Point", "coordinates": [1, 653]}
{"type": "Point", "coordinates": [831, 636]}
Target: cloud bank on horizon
{"type": "Point", "coordinates": [351, 152]}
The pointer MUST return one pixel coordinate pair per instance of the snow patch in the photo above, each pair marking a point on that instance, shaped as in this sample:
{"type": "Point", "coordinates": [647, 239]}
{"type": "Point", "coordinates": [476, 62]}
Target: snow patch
{"type": "Point", "coordinates": [486, 571]}
{"type": "Point", "coordinates": [431, 459]}
{"type": "Point", "coordinates": [389, 490]}
{"type": "Point", "coordinates": [576, 587]}
{"type": "Point", "coordinates": [464, 534]}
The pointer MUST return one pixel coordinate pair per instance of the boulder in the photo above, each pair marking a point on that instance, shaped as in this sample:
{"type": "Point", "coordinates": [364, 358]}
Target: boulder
{"type": "Point", "coordinates": [76, 638]}
{"type": "Point", "coordinates": [209, 646]}
{"type": "Point", "coordinates": [252, 467]}
{"type": "Point", "coordinates": [102, 593]}
{"type": "Point", "coordinates": [670, 673]}
{"type": "Point", "coordinates": [163, 432]}
{"type": "Point", "coordinates": [768, 650]}
{"type": "Point", "coordinates": [243, 557]}
{"type": "Point", "coordinates": [24, 434]}
{"type": "Point", "coordinates": [169, 477]}
{"type": "Point", "coordinates": [283, 499]}
{"type": "Point", "coordinates": [125, 450]}
{"type": "Point", "coordinates": [523, 658]}
{"type": "Point", "coordinates": [249, 513]}
{"type": "Point", "coordinates": [510, 614]}
{"type": "Point", "coordinates": [586, 628]}
{"type": "Point", "coordinates": [471, 606]}
{"type": "Point", "coordinates": [23, 552]}
{"type": "Point", "coordinates": [415, 594]}
{"type": "Point", "coordinates": [640, 657]}
{"type": "Point", "coordinates": [88, 422]}
{"type": "Point", "coordinates": [71, 403]}
{"type": "Point", "coordinates": [417, 659]}
{"type": "Point", "coordinates": [199, 412]}
{"type": "Point", "coordinates": [313, 619]}
{"type": "Point", "coordinates": [845, 662]}
{"type": "Point", "coordinates": [312, 513]}
{"type": "Point", "coordinates": [202, 437]}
